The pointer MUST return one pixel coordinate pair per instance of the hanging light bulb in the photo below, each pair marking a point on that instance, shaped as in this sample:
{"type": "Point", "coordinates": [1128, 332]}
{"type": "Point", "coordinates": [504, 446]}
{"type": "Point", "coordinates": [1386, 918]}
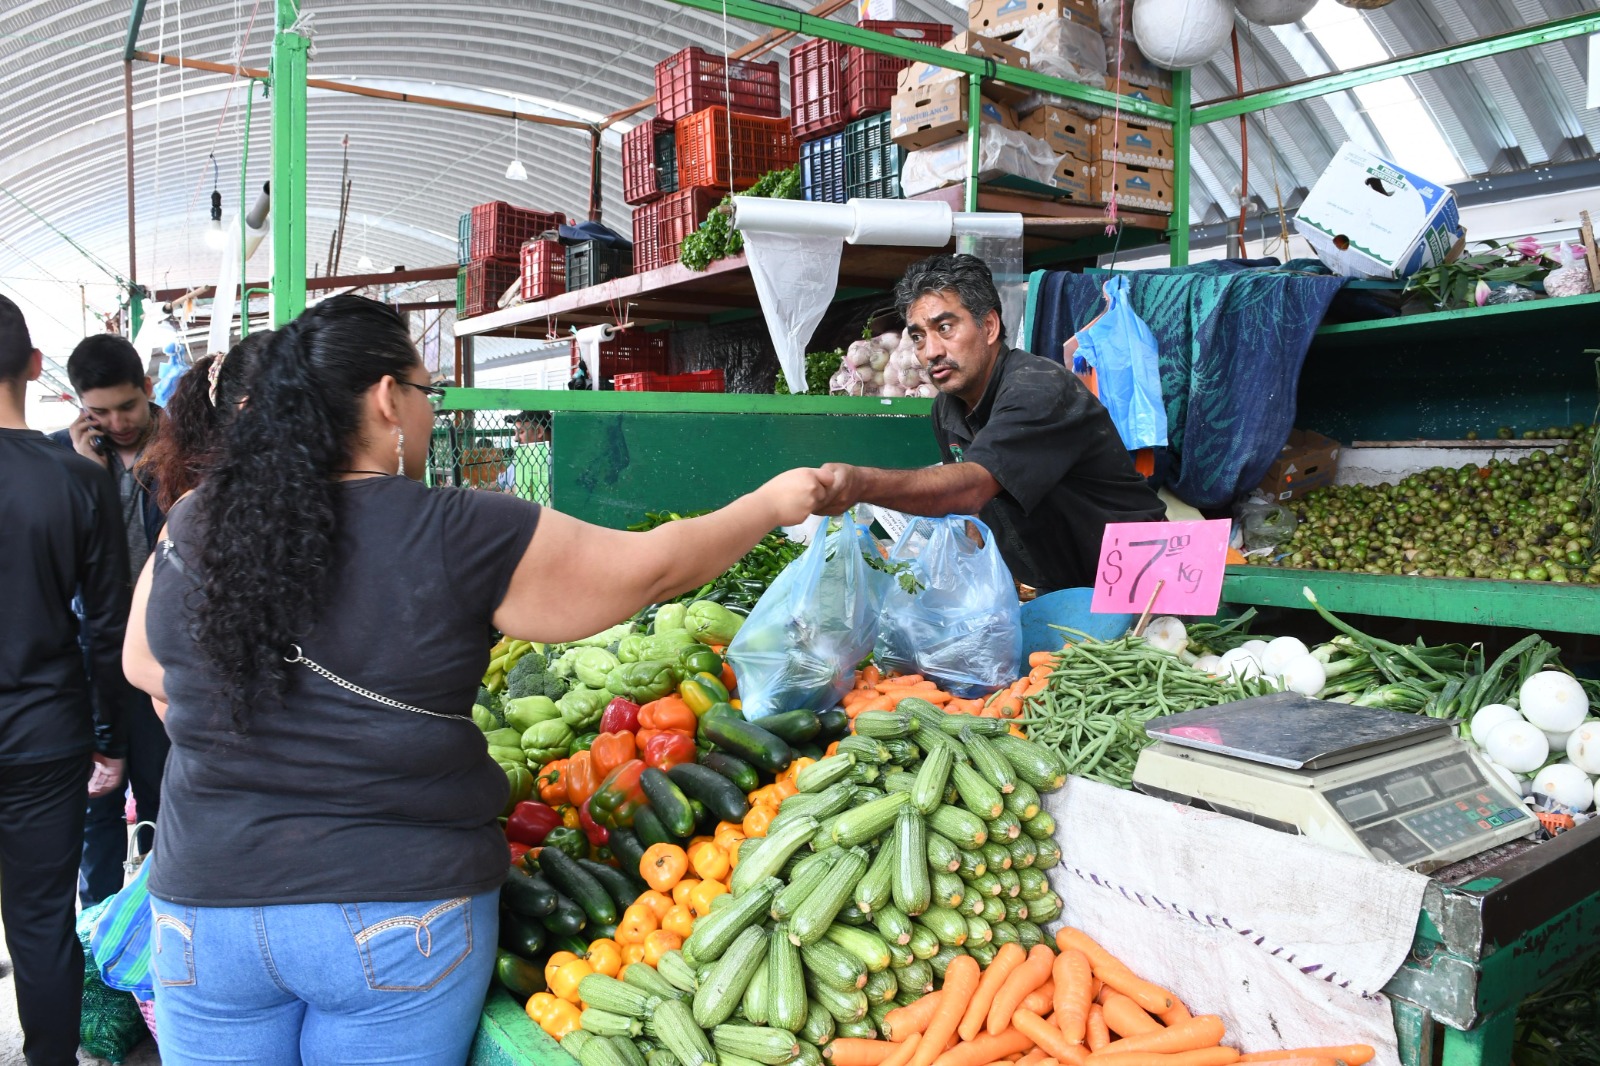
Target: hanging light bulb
{"type": "Point", "coordinates": [515, 171]}
{"type": "Point", "coordinates": [364, 265]}
{"type": "Point", "coordinates": [215, 238]}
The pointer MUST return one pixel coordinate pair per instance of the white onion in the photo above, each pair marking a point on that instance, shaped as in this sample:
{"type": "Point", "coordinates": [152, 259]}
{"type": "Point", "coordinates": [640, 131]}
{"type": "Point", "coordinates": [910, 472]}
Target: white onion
{"type": "Point", "coordinates": [1566, 784]}
{"type": "Point", "coordinates": [1519, 746]}
{"type": "Point", "coordinates": [1554, 701]}
{"type": "Point", "coordinates": [1514, 782]}
{"type": "Point", "coordinates": [926, 391]}
{"type": "Point", "coordinates": [1240, 664]}
{"type": "Point", "coordinates": [1279, 653]}
{"type": "Point", "coordinates": [1255, 648]}
{"type": "Point", "coordinates": [1489, 716]}
{"type": "Point", "coordinates": [1168, 634]}
{"type": "Point", "coordinates": [1583, 747]}
{"type": "Point", "coordinates": [879, 358]}
{"type": "Point", "coordinates": [1558, 741]}
{"type": "Point", "coordinates": [1304, 675]}
{"type": "Point", "coordinates": [1208, 664]}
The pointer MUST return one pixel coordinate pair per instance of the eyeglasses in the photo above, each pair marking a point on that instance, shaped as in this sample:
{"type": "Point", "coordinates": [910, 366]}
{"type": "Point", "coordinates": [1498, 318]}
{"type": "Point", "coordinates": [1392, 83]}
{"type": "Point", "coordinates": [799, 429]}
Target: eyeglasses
{"type": "Point", "coordinates": [434, 393]}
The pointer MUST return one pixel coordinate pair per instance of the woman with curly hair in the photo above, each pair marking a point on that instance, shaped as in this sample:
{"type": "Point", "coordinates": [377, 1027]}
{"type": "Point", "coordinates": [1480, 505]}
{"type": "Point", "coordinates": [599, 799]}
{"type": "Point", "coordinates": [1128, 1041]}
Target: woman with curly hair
{"type": "Point", "coordinates": [328, 860]}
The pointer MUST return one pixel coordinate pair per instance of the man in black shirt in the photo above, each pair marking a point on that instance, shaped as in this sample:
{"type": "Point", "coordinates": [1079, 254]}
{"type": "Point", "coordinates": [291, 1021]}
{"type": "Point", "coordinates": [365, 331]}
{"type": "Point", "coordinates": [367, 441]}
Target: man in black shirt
{"type": "Point", "coordinates": [61, 534]}
{"type": "Point", "coordinates": [1027, 447]}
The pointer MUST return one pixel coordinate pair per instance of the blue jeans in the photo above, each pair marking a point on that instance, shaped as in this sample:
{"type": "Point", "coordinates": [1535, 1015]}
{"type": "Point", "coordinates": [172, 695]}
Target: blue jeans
{"type": "Point", "coordinates": [322, 983]}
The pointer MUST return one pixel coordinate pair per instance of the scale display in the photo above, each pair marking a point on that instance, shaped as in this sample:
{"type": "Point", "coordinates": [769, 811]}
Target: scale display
{"type": "Point", "coordinates": [1365, 781]}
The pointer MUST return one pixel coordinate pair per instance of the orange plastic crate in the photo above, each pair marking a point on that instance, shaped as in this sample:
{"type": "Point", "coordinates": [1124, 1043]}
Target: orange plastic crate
{"type": "Point", "coordinates": [708, 140]}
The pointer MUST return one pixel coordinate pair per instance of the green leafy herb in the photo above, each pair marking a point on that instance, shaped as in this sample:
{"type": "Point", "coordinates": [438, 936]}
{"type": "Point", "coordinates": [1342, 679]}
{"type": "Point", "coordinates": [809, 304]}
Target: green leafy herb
{"type": "Point", "coordinates": [716, 238]}
{"type": "Point", "coordinates": [820, 368]}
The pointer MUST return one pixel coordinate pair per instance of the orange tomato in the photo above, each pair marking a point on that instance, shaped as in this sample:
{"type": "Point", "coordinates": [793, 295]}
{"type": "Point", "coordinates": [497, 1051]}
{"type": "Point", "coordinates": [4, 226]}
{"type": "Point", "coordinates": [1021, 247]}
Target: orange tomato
{"type": "Point", "coordinates": [562, 1019]}
{"type": "Point", "coordinates": [567, 978]}
{"type": "Point", "coordinates": [605, 956]}
{"type": "Point", "coordinates": [786, 788]}
{"type": "Point", "coordinates": [633, 954]}
{"type": "Point", "coordinates": [539, 1005]}
{"type": "Point", "coordinates": [659, 943]}
{"type": "Point", "coordinates": [794, 768]}
{"type": "Point", "coordinates": [760, 816]}
{"type": "Point", "coordinates": [681, 890]}
{"type": "Point", "coordinates": [709, 861]}
{"type": "Point", "coordinates": [555, 962]}
{"type": "Point", "coordinates": [700, 899]}
{"type": "Point", "coordinates": [637, 923]}
{"type": "Point", "coordinates": [768, 794]}
{"type": "Point", "coordinates": [679, 920]}
{"type": "Point", "coordinates": [657, 903]}
{"type": "Point", "coordinates": [663, 866]}
{"type": "Point", "coordinates": [727, 836]}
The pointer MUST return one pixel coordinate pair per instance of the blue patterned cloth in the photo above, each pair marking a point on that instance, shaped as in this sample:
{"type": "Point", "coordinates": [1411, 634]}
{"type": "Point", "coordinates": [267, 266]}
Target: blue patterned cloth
{"type": "Point", "coordinates": [1232, 335]}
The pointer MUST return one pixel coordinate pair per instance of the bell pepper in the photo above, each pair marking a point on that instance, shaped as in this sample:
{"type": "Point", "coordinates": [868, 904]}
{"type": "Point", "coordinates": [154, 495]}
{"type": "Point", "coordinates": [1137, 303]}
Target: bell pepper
{"type": "Point", "coordinates": [637, 649]}
{"type": "Point", "coordinates": [581, 778]}
{"type": "Point", "coordinates": [552, 782]}
{"type": "Point", "coordinates": [620, 715]}
{"type": "Point", "coordinates": [611, 750]}
{"type": "Point", "coordinates": [701, 691]}
{"type": "Point", "coordinates": [569, 816]}
{"type": "Point", "coordinates": [517, 851]}
{"type": "Point", "coordinates": [712, 623]}
{"type": "Point", "coordinates": [569, 842]}
{"type": "Point", "coordinates": [669, 712]}
{"type": "Point", "coordinates": [525, 713]}
{"type": "Point", "coordinates": [697, 658]}
{"type": "Point", "coordinates": [584, 742]}
{"type": "Point", "coordinates": [619, 796]}
{"type": "Point", "coordinates": [670, 618]}
{"type": "Point", "coordinates": [722, 710]}
{"type": "Point", "coordinates": [483, 718]}
{"type": "Point", "coordinates": [521, 782]}
{"type": "Point", "coordinates": [668, 749]}
{"type": "Point", "coordinates": [581, 707]}
{"type": "Point", "coordinates": [597, 835]}
{"type": "Point", "coordinates": [643, 681]}
{"type": "Point", "coordinates": [546, 741]}
{"type": "Point", "coordinates": [591, 665]}
{"type": "Point", "coordinates": [531, 822]}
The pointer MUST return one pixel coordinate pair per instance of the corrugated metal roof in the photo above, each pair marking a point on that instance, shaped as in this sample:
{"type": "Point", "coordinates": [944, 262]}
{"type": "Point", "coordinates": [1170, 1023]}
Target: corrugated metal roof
{"type": "Point", "coordinates": [416, 169]}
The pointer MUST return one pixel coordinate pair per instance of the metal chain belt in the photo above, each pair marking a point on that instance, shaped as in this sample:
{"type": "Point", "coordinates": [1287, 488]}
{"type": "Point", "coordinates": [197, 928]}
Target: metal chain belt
{"type": "Point", "coordinates": [317, 668]}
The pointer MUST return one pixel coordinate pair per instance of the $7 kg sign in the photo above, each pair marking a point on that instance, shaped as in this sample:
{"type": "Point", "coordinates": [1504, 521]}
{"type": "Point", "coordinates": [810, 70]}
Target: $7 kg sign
{"type": "Point", "coordinates": [1186, 559]}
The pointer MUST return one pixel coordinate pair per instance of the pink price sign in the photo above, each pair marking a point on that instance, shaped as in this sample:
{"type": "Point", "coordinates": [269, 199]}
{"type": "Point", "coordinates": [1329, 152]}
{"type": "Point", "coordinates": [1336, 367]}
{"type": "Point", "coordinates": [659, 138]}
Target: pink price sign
{"type": "Point", "coordinates": [1186, 558]}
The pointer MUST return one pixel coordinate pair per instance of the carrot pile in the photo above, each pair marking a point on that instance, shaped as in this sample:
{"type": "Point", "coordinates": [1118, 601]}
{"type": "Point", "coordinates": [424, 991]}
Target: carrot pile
{"type": "Point", "coordinates": [1074, 1005]}
{"type": "Point", "coordinates": [875, 691]}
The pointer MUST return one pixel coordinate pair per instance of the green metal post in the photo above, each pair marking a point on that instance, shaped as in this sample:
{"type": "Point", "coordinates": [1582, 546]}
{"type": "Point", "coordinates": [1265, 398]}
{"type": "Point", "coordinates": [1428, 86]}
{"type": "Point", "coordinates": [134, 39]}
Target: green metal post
{"type": "Point", "coordinates": [974, 137]}
{"type": "Point", "coordinates": [1182, 128]}
{"type": "Point", "coordinates": [1487, 1044]}
{"type": "Point", "coordinates": [135, 19]}
{"type": "Point", "coordinates": [244, 235]}
{"type": "Point", "coordinates": [289, 51]}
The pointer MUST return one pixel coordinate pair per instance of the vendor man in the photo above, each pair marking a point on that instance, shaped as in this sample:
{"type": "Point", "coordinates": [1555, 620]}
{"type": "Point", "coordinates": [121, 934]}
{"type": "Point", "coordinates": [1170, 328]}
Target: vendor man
{"type": "Point", "coordinates": [1026, 446]}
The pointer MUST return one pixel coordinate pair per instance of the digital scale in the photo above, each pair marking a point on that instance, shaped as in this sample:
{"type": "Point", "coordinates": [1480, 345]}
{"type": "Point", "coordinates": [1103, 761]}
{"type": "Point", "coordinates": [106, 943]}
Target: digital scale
{"type": "Point", "coordinates": [1396, 787]}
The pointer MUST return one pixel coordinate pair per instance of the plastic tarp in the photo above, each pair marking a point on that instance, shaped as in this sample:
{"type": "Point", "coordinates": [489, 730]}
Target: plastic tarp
{"type": "Point", "coordinates": [999, 150]}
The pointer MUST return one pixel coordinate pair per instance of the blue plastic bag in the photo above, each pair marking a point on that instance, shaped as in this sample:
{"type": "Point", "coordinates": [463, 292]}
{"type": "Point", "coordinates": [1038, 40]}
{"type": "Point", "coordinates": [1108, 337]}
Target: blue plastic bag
{"type": "Point", "coordinates": [175, 367]}
{"type": "Point", "coordinates": [799, 647]}
{"type": "Point", "coordinates": [121, 940]}
{"type": "Point", "coordinates": [1121, 351]}
{"type": "Point", "coordinates": [963, 626]}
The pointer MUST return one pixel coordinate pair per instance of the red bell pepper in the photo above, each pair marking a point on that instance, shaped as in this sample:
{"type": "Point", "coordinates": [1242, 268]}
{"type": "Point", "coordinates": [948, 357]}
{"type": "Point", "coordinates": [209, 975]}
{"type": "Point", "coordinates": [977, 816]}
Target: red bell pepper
{"type": "Point", "coordinates": [531, 822]}
{"type": "Point", "coordinates": [611, 750]}
{"type": "Point", "coordinates": [668, 749]}
{"type": "Point", "coordinates": [619, 796]}
{"type": "Point", "coordinates": [599, 836]}
{"type": "Point", "coordinates": [517, 852]}
{"type": "Point", "coordinates": [621, 715]}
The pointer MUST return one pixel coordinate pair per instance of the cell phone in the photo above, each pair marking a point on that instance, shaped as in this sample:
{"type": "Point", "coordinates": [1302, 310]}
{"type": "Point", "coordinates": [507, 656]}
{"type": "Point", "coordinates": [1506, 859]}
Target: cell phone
{"type": "Point", "coordinates": [100, 445]}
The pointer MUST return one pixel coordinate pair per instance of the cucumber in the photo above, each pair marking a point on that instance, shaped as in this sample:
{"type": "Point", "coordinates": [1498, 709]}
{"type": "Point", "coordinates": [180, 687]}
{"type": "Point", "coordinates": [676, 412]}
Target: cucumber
{"type": "Point", "coordinates": [721, 796]}
{"type": "Point", "coordinates": [977, 794]}
{"type": "Point", "coordinates": [729, 916]}
{"type": "Point", "coordinates": [996, 857]}
{"type": "Point", "coordinates": [744, 776]}
{"type": "Point", "coordinates": [758, 1043]}
{"type": "Point", "coordinates": [867, 946]}
{"type": "Point", "coordinates": [883, 725]}
{"type": "Point", "coordinates": [923, 944]}
{"type": "Point", "coordinates": [892, 924]}
{"type": "Point", "coordinates": [776, 848]}
{"type": "Point", "coordinates": [719, 995]}
{"type": "Point", "coordinates": [928, 789]}
{"type": "Point", "coordinates": [946, 924]}
{"type": "Point", "coordinates": [622, 889]}
{"type": "Point", "coordinates": [863, 823]}
{"type": "Point", "coordinates": [1010, 884]}
{"type": "Point", "coordinates": [1032, 884]}
{"type": "Point", "coordinates": [669, 802]}
{"type": "Point", "coordinates": [843, 1006]}
{"type": "Point", "coordinates": [1023, 802]}
{"type": "Point", "coordinates": [786, 986]}
{"type": "Point", "coordinates": [819, 1025]}
{"type": "Point", "coordinates": [1024, 852]}
{"type": "Point", "coordinates": [648, 979]}
{"type": "Point", "coordinates": [944, 958]}
{"type": "Point", "coordinates": [988, 885]}
{"type": "Point", "coordinates": [650, 829]}
{"type": "Point", "coordinates": [822, 775]}
{"type": "Point", "coordinates": [1005, 828]}
{"type": "Point", "coordinates": [793, 727]}
{"type": "Point", "coordinates": [818, 910]}
{"type": "Point", "coordinates": [1049, 854]}
{"type": "Point", "coordinates": [829, 964]}
{"type": "Point", "coordinates": [626, 847]}
{"type": "Point", "coordinates": [881, 987]}
{"type": "Point", "coordinates": [875, 888]}
{"type": "Point", "coordinates": [1041, 826]}
{"type": "Point", "coordinates": [860, 1028]}
{"type": "Point", "coordinates": [948, 889]}
{"type": "Point", "coordinates": [748, 741]}
{"type": "Point", "coordinates": [987, 760]}
{"type": "Point", "coordinates": [963, 828]}
{"type": "Point", "coordinates": [984, 953]}
{"type": "Point", "coordinates": [674, 1026]}
{"type": "Point", "coordinates": [978, 931]}
{"type": "Point", "coordinates": [754, 1004]}
{"type": "Point", "coordinates": [1032, 763]}
{"type": "Point", "coordinates": [833, 725]}
{"type": "Point", "coordinates": [527, 895]}
{"type": "Point", "coordinates": [521, 936]}
{"type": "Point", "coordinates": [677, 971]}
{"type": "Point", "coordinates": [912, 888]}
{"type": "Point", "coordinates": [1044, 909]}
{"type": "Point", "coordinates": [801, 884]}
{"type": "Point", "coordinates": [942, 854]}
{"type": "Point", "coordinates": [568, 919]}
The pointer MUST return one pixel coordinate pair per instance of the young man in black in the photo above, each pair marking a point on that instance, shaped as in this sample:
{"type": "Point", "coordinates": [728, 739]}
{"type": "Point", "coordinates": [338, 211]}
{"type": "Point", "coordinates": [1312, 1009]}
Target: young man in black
{"type": "Point", "coordinates": [61, 527]}
{"type": "Point", "coordinates": [1026, 446]}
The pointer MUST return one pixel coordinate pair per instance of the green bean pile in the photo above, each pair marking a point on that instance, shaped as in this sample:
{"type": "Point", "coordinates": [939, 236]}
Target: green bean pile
{"type": "Point", "coordinates": [1101, 694]}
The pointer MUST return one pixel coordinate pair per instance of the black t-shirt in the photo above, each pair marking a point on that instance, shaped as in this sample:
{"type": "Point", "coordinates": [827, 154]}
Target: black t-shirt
{"type": "Point", "coordinates": [328, 796]}
{"type": "Point", "coordinates": [1063, 470]}
{"type": "Point", "coordinates": [60, 535]}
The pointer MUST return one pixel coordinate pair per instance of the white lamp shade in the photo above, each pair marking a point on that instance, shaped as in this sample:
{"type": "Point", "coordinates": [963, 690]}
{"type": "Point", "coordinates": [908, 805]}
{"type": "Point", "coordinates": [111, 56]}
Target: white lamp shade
{"type": "Point", "coordinates": [1275, 12]}
{"type": "Point", "coordinates": [1178, 34]}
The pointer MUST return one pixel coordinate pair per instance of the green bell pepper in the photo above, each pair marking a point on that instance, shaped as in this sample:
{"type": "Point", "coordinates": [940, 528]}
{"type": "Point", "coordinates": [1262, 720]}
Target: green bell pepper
{"type": "Point", "coordinates": [722, 710]}
{"type": "Point", "coordinates": [699, 659]}
{"type": "Point", "coordinates": [570, 842]}
{"type": "Point", "coordinates": [712, 623]}
{"type": "Point", "coordinates": [670, 617]}
{"type": "Point", "coordinates": [483, 719]}
{"type": "Point", "coordinates": [546, 741]}
{"type": "Point", "coordinates": [591, 665]}
{"type": "Point", "coordinates": [643, 681]}
{"type": "Point", "coordinates": [521, 782]}
{"type": "Point", "coordinates": [582, 707]}
{"type": "Point", "coordinates": [662, 646]}
{"type": "Point", "coordinates": [619, 796]}
{"type": "Point", "coordinates": [582, 743]}
{"type": "Point", "coordinates": [528, 711]}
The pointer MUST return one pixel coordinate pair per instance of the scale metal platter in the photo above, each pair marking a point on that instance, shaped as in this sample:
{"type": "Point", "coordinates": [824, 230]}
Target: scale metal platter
{"type": "Point", "coordinates": [1396, 787]}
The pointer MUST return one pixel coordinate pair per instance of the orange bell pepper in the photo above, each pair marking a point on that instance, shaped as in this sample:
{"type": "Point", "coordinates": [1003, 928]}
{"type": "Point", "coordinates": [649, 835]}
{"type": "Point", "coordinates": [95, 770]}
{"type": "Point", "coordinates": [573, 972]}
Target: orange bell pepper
{"type": "Point", "coordinates": [582, 780]}
{"type": "Point", "coordinates": [669, 712]}
{"type": "Point", "coordinates": [552, 782]}
{"type": "Point", "coordinates": [611, 750]}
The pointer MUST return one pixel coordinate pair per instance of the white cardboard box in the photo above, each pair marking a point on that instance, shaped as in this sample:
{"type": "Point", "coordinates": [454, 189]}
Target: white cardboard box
{"type": "Point", "coordinates": [1367, 217]}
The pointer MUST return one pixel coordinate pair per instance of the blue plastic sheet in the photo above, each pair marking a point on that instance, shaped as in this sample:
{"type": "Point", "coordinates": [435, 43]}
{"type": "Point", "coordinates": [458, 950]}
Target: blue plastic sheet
{"type": "Point", "coordinates": [1121, 351]}
{"type": "Point", "coordinates": [963, 627]}
{"type": "Point", "coordinates": [799, 647]}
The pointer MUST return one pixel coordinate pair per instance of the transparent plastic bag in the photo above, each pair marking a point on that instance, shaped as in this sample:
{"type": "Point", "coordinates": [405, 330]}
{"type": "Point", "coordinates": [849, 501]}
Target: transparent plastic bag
{"type": "Point", "coordinates": [1065, 49]}
{"type": "Point", "coordinates": [1265, 524]}
{"type": "Point", "coordinates": [799, 647]}
{"type": "Point", "coordinates": [999, 151]}
{"type": "Point", "coordinates": [963, 627]}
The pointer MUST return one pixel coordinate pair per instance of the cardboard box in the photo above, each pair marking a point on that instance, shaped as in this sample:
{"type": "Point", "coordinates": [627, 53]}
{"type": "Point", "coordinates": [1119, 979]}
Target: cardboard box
{"type": "Point", "coordinates": [1308, 461]}
{"type": "Point", "coordinates": [1141, 89]}
{"type": "Point", "coordinates": [1135, 64]}
{"type": "Point", "coordinates": [1066, 132]}
{"type": "Point", "coordinates": [927, 117]}
{"type": "Point", "coordinates": [1133, 140]}
{"type": "Point", "coordinates": [1136, 187]}
{"type": "Point", "coordinates": [1077, 181]}
{"type": "Point", "coordinates": [987, 16]}
{"type": "Point", "coordinates": [1367, 217]}
{"type": "Point", "coordinates": [919, 76]}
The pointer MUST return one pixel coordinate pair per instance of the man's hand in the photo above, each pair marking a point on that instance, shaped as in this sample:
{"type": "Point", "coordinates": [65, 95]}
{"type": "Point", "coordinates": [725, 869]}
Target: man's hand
{"type": "Point", "coordinates": [83, 431]}
{"type": "Point", "coordinates": [845, 491]}
{"type": "Point", "coordinates": [796, 494]}
{"type": "Point", "coordinates": [107, 776]}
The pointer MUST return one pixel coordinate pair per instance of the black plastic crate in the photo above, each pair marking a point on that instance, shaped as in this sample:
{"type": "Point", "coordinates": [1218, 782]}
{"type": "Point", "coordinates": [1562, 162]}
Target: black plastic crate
{"type": "Point", "coordinates": [667, 162]}
{"type": "Point", "coordinates": [872, 159]}
{"type": "Point", "coordinates": [822, 169]}
{"type": "Point", "coordinates": [594, 263]}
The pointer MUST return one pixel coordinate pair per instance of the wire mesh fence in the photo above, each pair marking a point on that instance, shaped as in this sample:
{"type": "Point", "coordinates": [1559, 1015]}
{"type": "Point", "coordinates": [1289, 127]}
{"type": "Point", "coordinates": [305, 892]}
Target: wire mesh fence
{"type": "Point", "coordinates": [495, 451]}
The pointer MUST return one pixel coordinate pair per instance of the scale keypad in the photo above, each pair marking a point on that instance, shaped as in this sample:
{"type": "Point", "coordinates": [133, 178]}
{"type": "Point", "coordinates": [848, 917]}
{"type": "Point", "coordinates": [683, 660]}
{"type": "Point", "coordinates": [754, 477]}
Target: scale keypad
{"type": "Point", "coordinates": [1407, 814]}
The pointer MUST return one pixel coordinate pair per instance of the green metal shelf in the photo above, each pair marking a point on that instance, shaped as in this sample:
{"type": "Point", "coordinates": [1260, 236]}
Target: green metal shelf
{"type": "Point", "coordinates": [1476, 324]}
{"type": "Point", "coordinates": [1534, 605]}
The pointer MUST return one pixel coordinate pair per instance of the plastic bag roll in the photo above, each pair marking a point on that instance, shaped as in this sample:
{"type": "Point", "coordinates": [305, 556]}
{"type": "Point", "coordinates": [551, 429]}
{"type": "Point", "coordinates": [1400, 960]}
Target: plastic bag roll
{"type": "Point", "coordinates": [759, 214]}
{"type": "Point", "coordinates": [796, 275]}
{"type": "Point", "coordinates": [902, 223]}
{"type": "Point", "coordinates": [967, 224]}
{"type": "Point", "coordinates": [589, 340]}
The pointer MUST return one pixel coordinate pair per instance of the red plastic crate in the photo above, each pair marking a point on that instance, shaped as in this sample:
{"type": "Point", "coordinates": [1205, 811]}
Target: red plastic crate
{"type": "Point", "coordinates": [484, 281]}
{"type": "Point", "coordinates": [872, 78]}
{"type": "Point", "coordinates": [695, 381]}
{"type": "Point", "coordinates": [639, 184]}
{"type": "Point", "coordinates": [630, 352]}
{"type": "Point", "coordinates": [679, 215]}
{"type": "Point", "coordinates": [499, 230]}
{"type": "Point", "coordinates": [816, 88]}
{"type": "Point", "coordinates": [694, 78]}
{"type": "Point", "coordinates": [544, 270]}
{"type": "Point", "coordinates": [646, 237]}
{"type": "Point", "coordinates": [758, 145]}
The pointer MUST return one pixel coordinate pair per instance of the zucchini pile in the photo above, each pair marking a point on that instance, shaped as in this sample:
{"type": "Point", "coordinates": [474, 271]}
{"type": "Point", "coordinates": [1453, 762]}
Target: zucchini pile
{"type": "Point", "coordinates": [921, 839]}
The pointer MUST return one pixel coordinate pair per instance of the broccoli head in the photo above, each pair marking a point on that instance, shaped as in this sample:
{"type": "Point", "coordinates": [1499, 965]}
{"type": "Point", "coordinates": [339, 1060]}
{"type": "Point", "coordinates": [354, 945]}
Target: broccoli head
{"type": "Point", "coordinates": [492, 703]}
{"type": "Point", "coordinates": [554, 687]}
{"type": "Point", "coordinates": [527, 677]}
